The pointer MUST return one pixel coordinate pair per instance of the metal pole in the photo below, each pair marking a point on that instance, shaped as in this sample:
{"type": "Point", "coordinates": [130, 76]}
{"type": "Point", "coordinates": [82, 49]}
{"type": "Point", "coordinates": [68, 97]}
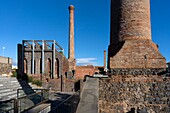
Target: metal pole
{"type": "Point", "coordinates": [3, 50]}
{"type": "Point", "coordinates": [53, 76]}
{"type": "Point", "coordinates": [32, 56]}
{"type": "Point", "coordinates": [42, 57]}
{"type": "Point", "coordinates": [15, 105]}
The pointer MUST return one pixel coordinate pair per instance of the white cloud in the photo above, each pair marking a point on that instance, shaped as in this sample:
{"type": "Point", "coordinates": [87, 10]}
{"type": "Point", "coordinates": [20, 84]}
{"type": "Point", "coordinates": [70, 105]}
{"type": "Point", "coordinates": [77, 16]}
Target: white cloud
{"type": "Point", "coordinates": [86, 61]}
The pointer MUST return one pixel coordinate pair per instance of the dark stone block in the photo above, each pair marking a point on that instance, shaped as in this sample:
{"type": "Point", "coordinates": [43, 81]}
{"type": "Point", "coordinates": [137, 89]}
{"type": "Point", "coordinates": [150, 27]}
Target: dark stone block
{"type": "Point", "coordinates": [143, 110]}
{"type": "Point", "coordinates": [158, 100]}
{"type": "Point", "coordinates": [136, 94]}
{"type": "Point", "coordinates": [167, 93]}
{"type": "Point", "coordinates": [136, 71]}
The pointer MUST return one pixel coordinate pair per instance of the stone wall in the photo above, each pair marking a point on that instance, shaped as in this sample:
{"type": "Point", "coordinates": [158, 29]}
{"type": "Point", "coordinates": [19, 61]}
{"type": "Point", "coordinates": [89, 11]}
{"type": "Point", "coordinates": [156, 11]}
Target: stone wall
{"type": "Point", "coordinates": [5, 68]}
{"type": "Point", "coordinates": [81, 71]}
{"type": "Point", "coordinates": [5, 60]}
{"type": "Point", "coordinates": [134, 93]}
{"type": "Point", "coordinates": [5, 65]}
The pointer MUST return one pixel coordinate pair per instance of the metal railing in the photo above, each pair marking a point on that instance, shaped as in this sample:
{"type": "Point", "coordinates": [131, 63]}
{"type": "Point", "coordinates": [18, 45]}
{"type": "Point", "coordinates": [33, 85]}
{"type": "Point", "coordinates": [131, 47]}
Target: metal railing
{"type": "Point", "coordinates": [69, 105]}
{"type": "Point", "coordinates": [29, 101]}
{"type": "Point", "coordinates": [24, 102]}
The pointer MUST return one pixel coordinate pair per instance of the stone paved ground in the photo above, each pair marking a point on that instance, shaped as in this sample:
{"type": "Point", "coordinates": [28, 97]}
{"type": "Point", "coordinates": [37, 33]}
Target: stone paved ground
{"type": "Point", "coordinates": [56, 98]}
{"type": "Point", "coordinates": [89, 96]}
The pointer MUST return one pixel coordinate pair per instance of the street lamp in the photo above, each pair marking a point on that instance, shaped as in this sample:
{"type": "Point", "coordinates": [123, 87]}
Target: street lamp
{"type": "Point", "coordinates": [3, 50]}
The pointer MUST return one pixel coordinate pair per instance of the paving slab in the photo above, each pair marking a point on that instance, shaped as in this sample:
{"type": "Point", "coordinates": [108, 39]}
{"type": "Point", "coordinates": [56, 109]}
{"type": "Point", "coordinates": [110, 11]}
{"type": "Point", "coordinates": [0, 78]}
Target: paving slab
{"type": "Point", "coordinates": [89, 97]}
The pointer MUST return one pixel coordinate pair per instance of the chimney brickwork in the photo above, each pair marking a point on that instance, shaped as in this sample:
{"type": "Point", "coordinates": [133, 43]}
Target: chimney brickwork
{"type": "Point", "coordinates": [71, 57]}
{"type": "Point", "coordinates": [104, 59]}
{"type": "Point", "coordinates": [130, 36]}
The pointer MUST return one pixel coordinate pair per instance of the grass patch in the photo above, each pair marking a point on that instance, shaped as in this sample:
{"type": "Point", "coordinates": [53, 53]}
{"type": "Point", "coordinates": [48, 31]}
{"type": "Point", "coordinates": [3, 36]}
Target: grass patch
{"type": "Point", "coordinates": [37, 82]}
{"type": "Point", "coordinates": [14, 74]}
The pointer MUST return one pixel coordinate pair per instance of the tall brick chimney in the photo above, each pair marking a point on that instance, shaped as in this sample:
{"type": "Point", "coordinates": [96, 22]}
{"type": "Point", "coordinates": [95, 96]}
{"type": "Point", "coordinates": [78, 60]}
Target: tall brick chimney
{"type": "Point", "coordinates": [71, 39]}
{"type": "Point", "coordinates": [105, 59]}
{"type": "Point", "coordinates": [131, 45]}
{"type": "Point", "coordinates": [71, 33]}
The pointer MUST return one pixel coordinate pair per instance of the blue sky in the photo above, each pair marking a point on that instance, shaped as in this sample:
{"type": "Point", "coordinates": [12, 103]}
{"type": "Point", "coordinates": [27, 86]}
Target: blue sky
{"type": "Point", "coordinates": [49, 20]}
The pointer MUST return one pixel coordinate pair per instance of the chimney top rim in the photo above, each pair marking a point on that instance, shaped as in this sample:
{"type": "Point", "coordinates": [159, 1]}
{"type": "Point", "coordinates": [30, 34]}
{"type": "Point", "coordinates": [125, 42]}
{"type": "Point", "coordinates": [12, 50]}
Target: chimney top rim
{"type": "Point", "coordinates": [71, 7]}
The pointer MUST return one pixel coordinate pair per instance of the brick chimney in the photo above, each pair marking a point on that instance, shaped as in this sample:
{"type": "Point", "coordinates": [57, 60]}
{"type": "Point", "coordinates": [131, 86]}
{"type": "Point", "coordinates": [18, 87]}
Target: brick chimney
{"type": "Point", "coordinates": [71, 58]}
{"type": "Point", "coordinates": [131, 45]}
{"type": "Point", "coordinates": [104, 59]}
{"type": "Point", "coordinates": [71, 33]}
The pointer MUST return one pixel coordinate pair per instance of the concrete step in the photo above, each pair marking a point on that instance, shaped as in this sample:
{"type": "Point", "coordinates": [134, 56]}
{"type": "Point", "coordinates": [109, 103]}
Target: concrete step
{"type": "Point", "coordinates": [7, 78]}
{"type": "Point", "coordinates": [11, 80]}
{"type": "Point", "coordinates": [9, 84]}
{"type": "Point", "coordinates": [14, 87]}
{"type": "Point", "coordinates": [8, 87]}
{"type": "Point", "coordinates": [5, 90]}
{"type": "Point", "coordinates": [8, 95]}
{"type": "Point", "coordinates": [6, 82]}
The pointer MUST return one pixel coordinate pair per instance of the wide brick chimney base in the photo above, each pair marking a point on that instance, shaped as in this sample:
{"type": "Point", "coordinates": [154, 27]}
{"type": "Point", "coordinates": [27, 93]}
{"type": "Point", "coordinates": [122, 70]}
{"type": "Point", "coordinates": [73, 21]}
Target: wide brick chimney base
{"type": "Point", "coordinates": [135, 54]}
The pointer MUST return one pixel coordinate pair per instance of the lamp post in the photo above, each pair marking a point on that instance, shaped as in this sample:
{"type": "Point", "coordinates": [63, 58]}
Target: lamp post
{"type": "Point", "coordinates": [3, 50]}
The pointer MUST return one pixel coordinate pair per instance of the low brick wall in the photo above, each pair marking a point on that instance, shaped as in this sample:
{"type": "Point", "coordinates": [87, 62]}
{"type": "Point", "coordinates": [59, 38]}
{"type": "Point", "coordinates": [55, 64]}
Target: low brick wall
{"type": "Point", "coordinates": [124, 94]}
{"type": "Point", "coordinates": [81, 71]}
